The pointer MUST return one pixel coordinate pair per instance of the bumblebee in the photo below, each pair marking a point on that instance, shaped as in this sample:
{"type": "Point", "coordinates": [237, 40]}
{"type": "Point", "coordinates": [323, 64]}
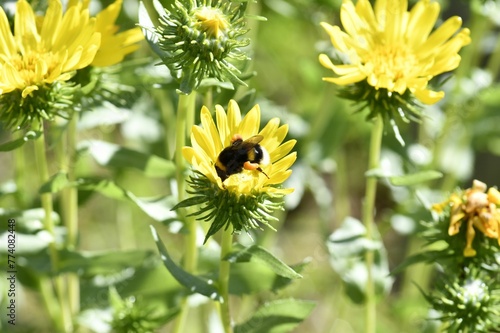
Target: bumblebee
{"type": "Point", "coordinates": [241, 154]}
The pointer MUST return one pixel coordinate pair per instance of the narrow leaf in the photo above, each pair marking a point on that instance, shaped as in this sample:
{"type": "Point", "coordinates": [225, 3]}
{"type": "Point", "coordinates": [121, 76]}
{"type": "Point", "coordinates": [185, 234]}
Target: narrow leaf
{"type": "Point", "coordinates": [261, 254]}
{"type": "Point", "coordinates": [159, 209]}
{"type": "Point", "coordinates": [11, 145]}
{"type": "Point", "coordinates": [348, 246]}
{"type": "Point", "coordinates": [415, 178]}
{"type": "Point", "coordinates": [192, 282]}
{"type": "Point", "coordinates": [277, 317]}
{"type": "Point", "coordinates": [56, 183]}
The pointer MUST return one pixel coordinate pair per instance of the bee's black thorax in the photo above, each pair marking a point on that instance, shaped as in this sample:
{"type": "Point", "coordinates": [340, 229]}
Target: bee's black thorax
{"type": "Point", "coordinates": [232, 158]}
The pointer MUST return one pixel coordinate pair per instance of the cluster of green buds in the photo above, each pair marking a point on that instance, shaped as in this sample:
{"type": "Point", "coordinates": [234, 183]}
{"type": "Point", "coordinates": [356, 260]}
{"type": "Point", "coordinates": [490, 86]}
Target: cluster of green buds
{"type": "Point", "coordinates": [202, 39]}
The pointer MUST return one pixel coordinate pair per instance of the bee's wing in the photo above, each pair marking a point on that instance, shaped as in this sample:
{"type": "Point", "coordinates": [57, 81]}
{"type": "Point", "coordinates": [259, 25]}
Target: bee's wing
{"type": "Point", "coordinates": [251, 142]}
{"type": "Point", "coordinates": [254, 139]}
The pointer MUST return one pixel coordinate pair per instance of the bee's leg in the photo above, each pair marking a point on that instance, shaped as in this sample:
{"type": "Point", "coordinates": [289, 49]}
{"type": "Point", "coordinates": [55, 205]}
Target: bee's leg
{"type": "Point", "coordinates": [251, 166]}
{"type": "Point", "coordinates": [236, 137]}
{"type": "Point", "coordinates": [254, 166]}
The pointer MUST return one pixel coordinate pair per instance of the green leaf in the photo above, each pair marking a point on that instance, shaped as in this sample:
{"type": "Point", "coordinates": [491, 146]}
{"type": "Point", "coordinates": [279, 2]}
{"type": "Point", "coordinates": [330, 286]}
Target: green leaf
{"type": "Point", "coordinates": [191, 282]}
{"type": "Point", "coordinates": [105, 262]}
{"type": "Point", "coordinates": [111, 155]}
{"type": "Point", "coordinates": [415, 178]}
{"type": "Point", "coordinates": [105, 115]}
{"type": "Point", "coordinates": [348, 246]}
{"type": "Point", "coordinates": [261, 254]}
{"type": "Point", "coordinates": [28, 221]}
{"type": "Point", "coordinates": [159, 208]}
{"type": "Point", "coordinates": [56, 183]}
{"type": "Point", "coordinates": [277, 317]}
{"type": "Point", "coordinates": [11, 145]}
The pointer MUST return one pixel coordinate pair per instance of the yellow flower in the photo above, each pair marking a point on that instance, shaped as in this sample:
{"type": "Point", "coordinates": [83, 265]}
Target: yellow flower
{"type": "Point", "coordinates": [394, 49]}
{"type": "Point", "coordinates": [478, 208]}
{"type": "Point", "coordinates": [210, 139]}
{"type": "Point", "coordinates": [114, 46]}
{"type": "Point", "coordinates": [32, 58]}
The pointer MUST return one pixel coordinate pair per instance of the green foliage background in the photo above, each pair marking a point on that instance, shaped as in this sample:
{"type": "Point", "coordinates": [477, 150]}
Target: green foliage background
{"type": "Point", "coordinates": [123, 196]}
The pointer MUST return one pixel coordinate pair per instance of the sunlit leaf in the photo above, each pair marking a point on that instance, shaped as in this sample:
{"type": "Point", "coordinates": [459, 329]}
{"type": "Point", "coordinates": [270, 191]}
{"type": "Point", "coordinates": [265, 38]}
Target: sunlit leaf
{"type": "Point", "coordinates": [415, 178]}
{"type": "Point", "coordinates": [105, 262]}
{"type": "Point", "coordinates": [105, 115]}
{"type": "Point", "coordinates": [261, 254]}
{"type": "Point", "coordinates": [16, 143]}
{"type": "Point", "coordinates": [191, 282]}
{"type": "Point", "coordinates": [112, 155]}
{"type": "Point", "coordinates": [160, 208]}
{"type": "Point", "coordinates": [27, 221]}
{"type": "Point", "coordinates": [348, 246]}
{"type": "Point", "coordinates": [56, 183]}
{"type": "Point", "coordinates": [277, 317]}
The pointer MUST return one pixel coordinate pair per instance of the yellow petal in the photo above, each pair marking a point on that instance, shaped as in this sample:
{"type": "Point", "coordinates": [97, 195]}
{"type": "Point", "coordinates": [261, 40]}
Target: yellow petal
{"type": "Point", "coordinates": [222, 126]}
{"type": "Point", "coordinates": [494, 196]}
{"type": "Point", "coordinates": [51, 23]}
{"type": "Point", "coordinates": [270, 142]}
{"type": "Point", "coordinates": [7, 42]}
{"type": "Point", "coordinates": [249, 126]}
{"type": "Point", "coordinates": [428, 96]}
{"type": "Point", "coordinates": [282, 150]}
{"type": "Point", "coordinates": [209, 126]}
{"type": "Point", "coordinates": [233, 115]}
{"type": "Point", "coordinates": [25, 30]}
{"type": "Point", "coordinates": [200, 140]}
{"type": "Point", "coordinates": [422, 19]}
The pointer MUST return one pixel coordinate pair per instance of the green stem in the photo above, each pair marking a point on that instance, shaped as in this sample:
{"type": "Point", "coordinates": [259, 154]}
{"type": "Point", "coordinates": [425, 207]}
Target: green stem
{"type": "Point", "coordinates": [168, 114]}
{"type": "Point", "coordinates": [224, 269]}
{"type": "Point", "coordinates": [341, 188]}
{"type": "Point", "coordinates": [66, 148]}
{"type": "Point", "coordinates": [185, 118]}
{"type": "Point", "coordinates": [368, 220]}
{"type": "Point", "coordinates": [64, 323]}
{"type": "Point", "coordinates": [20, 172]}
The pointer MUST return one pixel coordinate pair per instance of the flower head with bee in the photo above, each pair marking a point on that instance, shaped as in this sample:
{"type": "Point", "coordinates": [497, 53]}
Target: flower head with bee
{"type": "Point", "coordinates": [239, 167]}
{"type": "Point", "coordinates": [391, 54]}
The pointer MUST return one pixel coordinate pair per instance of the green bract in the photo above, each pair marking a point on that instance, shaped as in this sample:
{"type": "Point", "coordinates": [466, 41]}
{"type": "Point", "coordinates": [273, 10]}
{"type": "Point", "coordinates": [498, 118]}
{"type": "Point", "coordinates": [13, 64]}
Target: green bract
{"type": "Point", "coordinates": [223, 207]}
{"type": "Point", "coordinates": [46, 103]}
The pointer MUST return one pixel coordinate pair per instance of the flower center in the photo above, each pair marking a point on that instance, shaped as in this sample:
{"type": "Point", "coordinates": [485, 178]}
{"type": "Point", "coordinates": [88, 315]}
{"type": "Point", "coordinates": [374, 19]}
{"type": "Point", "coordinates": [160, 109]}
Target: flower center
{"type": "Point", "coordinates": [33, 67]}
{"type": "Point", "coordinates": [393, 62]}
{"type": "Point", "coordinates": [212, 21]}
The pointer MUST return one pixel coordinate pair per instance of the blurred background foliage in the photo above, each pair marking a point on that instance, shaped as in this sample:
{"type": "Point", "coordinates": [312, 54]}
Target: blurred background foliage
{"type": "Point", "coordinates": [459, 136]}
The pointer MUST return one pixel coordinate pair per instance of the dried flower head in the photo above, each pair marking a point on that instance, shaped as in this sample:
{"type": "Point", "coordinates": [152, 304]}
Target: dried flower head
{"type": "Point", "coordinates": [235, 182]}
{"type": "Point", "coordinates": [392, 53]}
{"type": "Point", "coordinates": [478, 209]}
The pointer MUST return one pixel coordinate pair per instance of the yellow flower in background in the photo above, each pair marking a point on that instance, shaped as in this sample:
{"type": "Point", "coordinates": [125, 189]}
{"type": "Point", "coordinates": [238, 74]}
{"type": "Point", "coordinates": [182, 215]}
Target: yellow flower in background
{"type": "Point", "coordinates": [33, 57]}
{"type": "Point", "coordinates": [395, 49]}
{"type": "Point", "coordinates": [114, 46]}
{"type": "Point", "coordinates": [476, 207]}
{"type": "Point", "coordinates": [210, 139]}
